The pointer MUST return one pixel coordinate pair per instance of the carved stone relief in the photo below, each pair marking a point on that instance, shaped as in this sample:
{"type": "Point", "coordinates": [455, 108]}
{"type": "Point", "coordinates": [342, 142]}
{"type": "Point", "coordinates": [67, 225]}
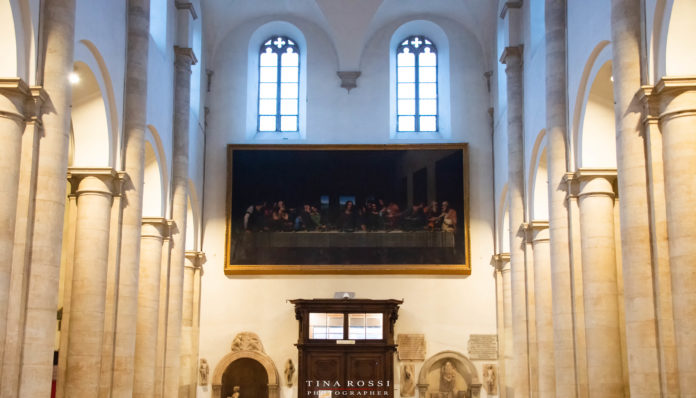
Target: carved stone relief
{"type": "Point", "coordinates": [408, 380]}
{"type": "Point", "coordinates": [247, 341]}
{"type": "Point", "coordinates": [490, 378]}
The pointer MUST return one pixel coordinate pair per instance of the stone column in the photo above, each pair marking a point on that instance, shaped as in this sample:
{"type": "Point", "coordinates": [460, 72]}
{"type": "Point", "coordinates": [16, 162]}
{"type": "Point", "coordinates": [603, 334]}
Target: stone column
{"type": "Point", "coordinates": [678, 124]}
{"type": "Point", "coordinates": [153, 232]}
{"type": "Point", "coordinates": [13, 93]}
{"type": "Point", "coordinates": [669, 375]}
{"type": "Point", "coordinates": [538, 233]}
{"type": "Point", "coordinates": [182, 78]}
{"type": "Point", "coordinates": [94, 189]}
{"type": "Point", "coordinates": [556, 133]}
{"type": "Point", "coordinates": [16, 307]}
{"type": "Point", "coordinates": [578, 305]}
{"type": "Point", "coordinates": [42, 298]}
{"type": "Point", "coordinates": [639, 297]}
{"type": "Point", "coordinates": [135, 112]}
{"type": "Point", "coordinates": [163, 311]}
{"type": "Point", "coordinates": [501, 263]}
{"type": "Point", "coordinates": [602, 328]}
{"type": "Point", "coordinates": [512, 57]}
{"type": "Point", "coordinates": [187, 379]}
{"type": "Point", "coordinates": [196, 332]}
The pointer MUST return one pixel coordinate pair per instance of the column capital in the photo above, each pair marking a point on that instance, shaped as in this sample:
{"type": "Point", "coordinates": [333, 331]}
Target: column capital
{"type": "Point", "coordinates": [596, 182]}
{"type": "Point", "coordinates": [155, 227]}
{"type": "Point", "coordinates": [15, 92]}
{"type": "Point", "coordinates": [187, 5]}
{"type": "Point", "coordinates": [660, 101]}
{"type": "Point", "coordinates": [501, 262]}
{"type": "Point", "coordinates": [184, 56]}
{"type": "Point", "coordinates": [508, 5]}
{"type": "Point", "coordinates": [196, 258]}
{"type": "Point", "coordinates": [103, 180]}
{"type": "Point", "coordinates": [512, 52]}
{"type": "Point", "coordinates": [536, 231]}
{"type": "Point", "coordinates": [572, 185]}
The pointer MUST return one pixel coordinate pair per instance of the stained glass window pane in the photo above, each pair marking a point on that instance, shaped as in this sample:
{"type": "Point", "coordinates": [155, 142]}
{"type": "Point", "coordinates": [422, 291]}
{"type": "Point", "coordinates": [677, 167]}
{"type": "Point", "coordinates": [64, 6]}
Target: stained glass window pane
{"type": "Point", "coordinates": [288, 123]}
{"type": "Point", "coordinates": [428, 123]}
{"type": "Point", "coordinates": [406, 90]}
{"type": "Point", "coordinates": [289, 74]}
{"type": "Point", "coordinates": [288, 90]}
{"type": "Point", "coordinates": [406, 107]}
{"type": "Point", "coordinates": [288, 107]}
{"type": "Point", "coordinates": [427, 74]}
{"type": "Point", "coordinates": [267, 107]}
{"type": "Point", "coordinates": [268, 74]}
{"type": "Point", "coordinates": [267, 123]}
{"type": "Point", "coordinates": [406, 59]}
{"type": "Point", "coordinates": [427, 90]}
{"type": "Point", "coordinates": [406, 74]}
{"type": "Point", "coordinates": [428, 107]}
{"type": "Point", "coordinates": [427, 58]}
{"type": "Point", "coordinates": [268, 90]}
{"type": "Point", "coordinates": [269, 58]}
{"type": "Point", "coordinates": [290, 58]}
{"type": "Point", "coordinates": [407, 123]}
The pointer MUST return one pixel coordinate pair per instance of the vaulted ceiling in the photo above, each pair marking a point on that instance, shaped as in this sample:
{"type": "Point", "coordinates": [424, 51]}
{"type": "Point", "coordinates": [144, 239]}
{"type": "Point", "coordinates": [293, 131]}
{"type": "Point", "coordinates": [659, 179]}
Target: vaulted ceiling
{"type": "Point", "coordinates": [357, 19]}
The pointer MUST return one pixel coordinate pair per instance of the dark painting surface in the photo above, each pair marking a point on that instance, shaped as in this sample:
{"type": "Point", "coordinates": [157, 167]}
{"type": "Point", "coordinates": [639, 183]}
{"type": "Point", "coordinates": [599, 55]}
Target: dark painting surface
{"type": "Point", "coordinates": [346, 207]}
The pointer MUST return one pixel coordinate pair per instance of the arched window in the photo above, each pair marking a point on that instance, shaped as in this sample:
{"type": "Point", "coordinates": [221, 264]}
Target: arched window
{"type": "Point", "coordinates": [416, 88]}
{"type": "Point", "coordinates": [279, 75]}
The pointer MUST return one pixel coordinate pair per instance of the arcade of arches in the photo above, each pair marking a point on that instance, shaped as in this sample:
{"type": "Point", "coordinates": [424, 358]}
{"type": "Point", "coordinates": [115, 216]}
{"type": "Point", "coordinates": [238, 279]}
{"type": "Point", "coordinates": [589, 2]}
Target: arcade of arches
{"type": "Point", "coordinates": [578, 119]}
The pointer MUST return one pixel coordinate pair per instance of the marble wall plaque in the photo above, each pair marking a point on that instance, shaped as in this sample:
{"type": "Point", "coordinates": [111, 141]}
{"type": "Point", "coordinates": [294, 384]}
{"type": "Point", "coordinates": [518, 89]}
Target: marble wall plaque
{"type": "Point", "coordinates": [411, 347]}
{"type": "Point", "coordinates": [483, 346]}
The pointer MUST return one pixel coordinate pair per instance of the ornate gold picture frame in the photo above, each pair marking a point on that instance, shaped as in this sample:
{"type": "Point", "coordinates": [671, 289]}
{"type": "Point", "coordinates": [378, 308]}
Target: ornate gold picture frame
{"type": "Point", "coordinates": [347, 209]}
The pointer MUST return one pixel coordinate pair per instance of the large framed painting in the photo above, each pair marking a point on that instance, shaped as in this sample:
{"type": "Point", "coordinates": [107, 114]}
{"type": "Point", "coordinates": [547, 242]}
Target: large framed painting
{"type": "Point", "coordinates": [347, 209]}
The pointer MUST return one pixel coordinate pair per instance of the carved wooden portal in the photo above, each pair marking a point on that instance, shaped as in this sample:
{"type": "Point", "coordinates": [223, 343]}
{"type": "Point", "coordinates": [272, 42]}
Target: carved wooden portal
{"type": "Point", "coordinates": [247, 353]}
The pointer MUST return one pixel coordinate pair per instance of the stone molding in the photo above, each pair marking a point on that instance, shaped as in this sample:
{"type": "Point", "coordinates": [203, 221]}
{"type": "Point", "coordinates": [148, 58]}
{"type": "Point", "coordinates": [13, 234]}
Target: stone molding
{"type": "Point", "coordinates": [184, 56]}
{"type": "Point", "coordinates": [196, 258]}
{"type": "Point", "coordinates": [155, 227]}
{"type": "Point", "coordinates": [348, 79]}
{"type": "Point", "coordinates": [501, 262]}
{"type": "Point", "coordinates": [186, 5]}
{"type": "Point", "coordinates": [112, 180]}
{"type": "Point", "coordinates": [572, 186]}
{"type": "Point", "coordinates": [509, 5]}
{"type": "Point", "coordinates": [659, 100]}
{"type": "Point", "coordinates": [536, 231]}
{"type": "Point", "coordinates": [596, 182]}
{"type": "Point", "coordinates": [16, 92]}
{"type": "Point", "coordinates": [512, 51]}
{"type": "Point", "coordinates": [257, 355]}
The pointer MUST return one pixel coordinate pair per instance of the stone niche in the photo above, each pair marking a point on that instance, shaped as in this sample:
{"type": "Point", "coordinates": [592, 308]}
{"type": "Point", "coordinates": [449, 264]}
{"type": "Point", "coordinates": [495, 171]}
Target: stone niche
{"type": "Point", "coordinates": [448, 374]}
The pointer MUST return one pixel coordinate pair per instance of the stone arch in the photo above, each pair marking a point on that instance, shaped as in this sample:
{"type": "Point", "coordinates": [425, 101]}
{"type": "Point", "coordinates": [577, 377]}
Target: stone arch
{"type": "Point", "coordinates": [466, 368]}
{"type": "Point", "coordinates": [676, 55]}
{"type": "Point", "coordinates": [538, 187]}
{"type": "Point", "coordinates": [153, 187]}
{"type": "Point", "coordinates": [258, 356]}
{"type": "Point", "coordinates": [503, 224]}
{"type": "Point", "coordinates": [88, 53]}
{"type": "Point", "coordinates": [597, 130]}
{"type": "Point", "coordinates": [91, 134]}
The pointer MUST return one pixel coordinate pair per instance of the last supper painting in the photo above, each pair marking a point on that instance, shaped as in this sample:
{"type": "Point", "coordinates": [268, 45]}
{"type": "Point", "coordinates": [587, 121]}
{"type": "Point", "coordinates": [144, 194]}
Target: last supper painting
{"type": "Point", "coordinates": [347, 209]}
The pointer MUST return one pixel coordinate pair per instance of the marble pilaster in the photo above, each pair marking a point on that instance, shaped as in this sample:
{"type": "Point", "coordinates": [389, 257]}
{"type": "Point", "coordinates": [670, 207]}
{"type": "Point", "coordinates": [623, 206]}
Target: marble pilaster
{"type": "Point", "coordinates": [134, 164]}
{"type": "Point", "coordinates": [13, 95]}
{"type": "Point", "coordinates": [557, 152]}
{"type": "Point", "coordinates": [94, 190]}
{"type": "Point", "coordinates": [36, 372]}
{"type": "Point", "coordinates": [154, 230]}
{"type": "Point", "coordinates": [184, 59]}
{"type": "Point", "coordinates": [188, 379]}
{"type": "Point", "coordinates": [501, 263]}
{"type": "Point", "coordinates": [538, 234]}
{"type": "Point", "coordinates": [677, 118]}
{"type": "Point", "coordinates": [512, 58]}
{"type": "Point", "coordinates": [638, 282]}
{"type": "Point", "coordinates": [601, 296]}
{"type": "Point", "coordinates": [18, 284]}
